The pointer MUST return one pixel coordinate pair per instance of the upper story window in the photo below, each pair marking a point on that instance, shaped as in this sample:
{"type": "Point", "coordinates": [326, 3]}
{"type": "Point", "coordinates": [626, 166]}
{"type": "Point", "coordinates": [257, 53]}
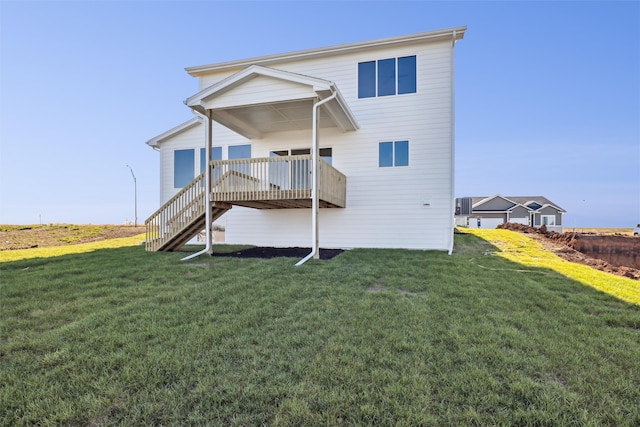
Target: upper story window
{"type": "Point", "coordinates": [393, 153]}
{"type": "Point", "coordinates": [387, 77]}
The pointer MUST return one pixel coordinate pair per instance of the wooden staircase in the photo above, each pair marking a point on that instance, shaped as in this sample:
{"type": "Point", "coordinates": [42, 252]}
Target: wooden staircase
{"type": "Point", "coordinates": [181, 218]}
{"type": "Point", "coordinates": [259, 183]}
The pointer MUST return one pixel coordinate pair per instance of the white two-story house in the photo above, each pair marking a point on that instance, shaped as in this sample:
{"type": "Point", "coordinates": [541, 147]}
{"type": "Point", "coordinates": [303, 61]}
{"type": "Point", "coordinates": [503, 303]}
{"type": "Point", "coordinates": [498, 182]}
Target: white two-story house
{"type": "Point", "coordinates": [348, 146]}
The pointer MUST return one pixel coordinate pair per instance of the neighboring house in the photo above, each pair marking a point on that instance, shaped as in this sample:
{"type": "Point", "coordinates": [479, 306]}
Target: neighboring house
{"type": "Point", "coordinates": [489, 212]}
{"type": "Point", "coordinates": [383, 146]}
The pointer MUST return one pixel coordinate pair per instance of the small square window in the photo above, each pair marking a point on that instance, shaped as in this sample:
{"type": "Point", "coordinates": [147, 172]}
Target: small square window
{"type": "Point", "coordinates": [394, 153]}
{"type": "Point", "coordinates": [548, 220]}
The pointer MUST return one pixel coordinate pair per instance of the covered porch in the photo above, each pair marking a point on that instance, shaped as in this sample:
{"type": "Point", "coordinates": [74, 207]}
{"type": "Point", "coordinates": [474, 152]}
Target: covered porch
{"type": "Point", "coordinates": [255, 102]}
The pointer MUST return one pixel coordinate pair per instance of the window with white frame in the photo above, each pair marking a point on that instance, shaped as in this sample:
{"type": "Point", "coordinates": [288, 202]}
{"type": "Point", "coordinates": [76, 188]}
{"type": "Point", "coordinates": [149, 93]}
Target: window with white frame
{"type": "Point", "coordinates": [386, 77]}
{"type": "Point", "coordinates": [548, 219]}
{"type": "Point", "coordinates": [393, 153]}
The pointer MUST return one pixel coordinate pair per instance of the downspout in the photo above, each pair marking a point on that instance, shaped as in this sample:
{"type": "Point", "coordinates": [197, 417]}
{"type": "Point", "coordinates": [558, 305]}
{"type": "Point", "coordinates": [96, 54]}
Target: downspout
{"type": "Point", "coordinates": [453, 148]}
{"type": "Point", "coordinates": [315, 183]}
{"type": "Point", "coordinates": [207, 188]}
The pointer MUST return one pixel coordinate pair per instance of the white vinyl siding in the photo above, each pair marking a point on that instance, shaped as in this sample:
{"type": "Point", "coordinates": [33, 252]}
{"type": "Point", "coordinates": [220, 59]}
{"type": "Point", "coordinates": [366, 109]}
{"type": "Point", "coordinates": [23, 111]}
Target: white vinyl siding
{"type": "Point", "coordinates": [397, 207]}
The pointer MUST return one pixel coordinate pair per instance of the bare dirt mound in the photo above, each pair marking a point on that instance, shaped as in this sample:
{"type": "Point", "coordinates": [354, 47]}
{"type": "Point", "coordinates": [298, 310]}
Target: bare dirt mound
{"type": "Point", "coordinates": [618, 255]}
{"type": "Point", "coordinates": [38, 236]}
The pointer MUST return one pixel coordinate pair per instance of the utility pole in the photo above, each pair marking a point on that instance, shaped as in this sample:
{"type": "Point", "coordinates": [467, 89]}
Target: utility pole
{"type": "Point", "coordinates": [135, 195]}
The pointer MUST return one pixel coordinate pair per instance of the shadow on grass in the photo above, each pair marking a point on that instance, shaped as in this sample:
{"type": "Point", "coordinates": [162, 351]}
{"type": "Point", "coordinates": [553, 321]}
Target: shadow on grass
{"type": "Point", "coordinates": [132, 337]}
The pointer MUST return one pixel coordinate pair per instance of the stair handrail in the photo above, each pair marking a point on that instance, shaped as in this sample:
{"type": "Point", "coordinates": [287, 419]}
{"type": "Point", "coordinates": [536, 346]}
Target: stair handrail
{"type": "Point", "coordinates": [154, 237]}
{"type": "Point", "coordinates": [177, 196]}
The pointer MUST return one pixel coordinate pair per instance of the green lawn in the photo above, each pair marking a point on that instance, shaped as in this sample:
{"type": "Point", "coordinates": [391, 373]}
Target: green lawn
{"type": "Point", "coordinates": [372, 337]}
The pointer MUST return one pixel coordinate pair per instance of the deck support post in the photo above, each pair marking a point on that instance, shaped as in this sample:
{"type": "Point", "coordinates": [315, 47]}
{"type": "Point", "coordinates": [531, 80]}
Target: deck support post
{"type": "Point", "coordinates": [207, 197]}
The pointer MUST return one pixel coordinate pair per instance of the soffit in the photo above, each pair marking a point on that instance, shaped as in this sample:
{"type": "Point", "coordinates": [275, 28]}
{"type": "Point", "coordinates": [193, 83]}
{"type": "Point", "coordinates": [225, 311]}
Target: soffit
{"type": "Point", "coordinates": [259, 100]}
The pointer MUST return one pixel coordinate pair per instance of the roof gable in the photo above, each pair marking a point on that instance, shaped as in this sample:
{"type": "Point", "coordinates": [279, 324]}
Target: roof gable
{"type": "Point", "coordinates": [259, 100]}
{"type": "Point", "coordinates": [533, 203]}
{"type": "Point", "coordinates": [495, 203]}
{"type": "Point", "coordinates": [183, 127]}
{"type": "Point", "coordinates": [242, 78]}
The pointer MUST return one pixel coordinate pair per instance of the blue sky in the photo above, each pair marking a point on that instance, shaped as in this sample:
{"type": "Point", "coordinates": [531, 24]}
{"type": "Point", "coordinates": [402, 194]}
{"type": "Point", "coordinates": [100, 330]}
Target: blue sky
{"type": "Point", "coordinates": [547, 95]}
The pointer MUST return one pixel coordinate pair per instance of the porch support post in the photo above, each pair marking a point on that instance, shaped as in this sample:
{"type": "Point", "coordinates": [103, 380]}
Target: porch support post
{"type": "Point", "coordinates": [208, 209]}
{"type": "Point", "coordinates": [207, 186]}
{"type": "Point", "coordinates": [315, 201]}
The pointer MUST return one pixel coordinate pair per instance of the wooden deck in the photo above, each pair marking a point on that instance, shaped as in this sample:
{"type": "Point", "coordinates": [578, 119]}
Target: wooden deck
{"type": "Point", "coordinates": [261, 183]}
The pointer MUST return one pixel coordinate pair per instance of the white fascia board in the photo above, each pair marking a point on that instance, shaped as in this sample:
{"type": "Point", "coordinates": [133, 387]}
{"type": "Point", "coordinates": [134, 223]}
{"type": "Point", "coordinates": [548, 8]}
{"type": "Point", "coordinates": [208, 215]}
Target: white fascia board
{"type": "Point", "coordinates": [338, 109]}
{"type": "Point", "coordinates": [519, 205]}
{"type": "Point", "coordinates": [345, 107]}
{"type": "Point", "coordinates": [548, 205]}
{"type": "Point", "coordinates": [483, 201]}
{"type": "Point", "coordinates": [157, 140]}
{"type": "Point", "coordinates": [478, 203]}
{"type": "Point", "coordinates": [429, 36]}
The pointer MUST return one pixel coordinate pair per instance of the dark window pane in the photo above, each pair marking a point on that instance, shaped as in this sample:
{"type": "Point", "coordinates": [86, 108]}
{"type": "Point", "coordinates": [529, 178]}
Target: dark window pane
{"type": "Point", "coordinates": [385, 154]}
{"type": "Point", "coordinates": [402, 153]}
{"type": "Point", "coordinates": [327, 154]}
{"type": "Point", "coordinates": [407, 74]}
{"type": "Point", "coordinates": [387, 77]}
{"type": "Point", "coordinates": [183, 166]}
{"type": "Point", "coordinates": [366, 79]}
{"type": "Point", "coordinates": [279, 153]}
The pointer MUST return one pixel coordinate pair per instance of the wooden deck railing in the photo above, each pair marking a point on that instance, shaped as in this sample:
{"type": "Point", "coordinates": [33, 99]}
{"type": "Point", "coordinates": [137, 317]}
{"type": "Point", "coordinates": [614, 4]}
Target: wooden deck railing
{"type": "Point", "coordinates": [333, 185]}
{"type": "Point", "coordinates": [263, 183]}
{"type": "Point", "coordinates": [172, 217]}
{"type": "Point", "coordinates": [275, 178]}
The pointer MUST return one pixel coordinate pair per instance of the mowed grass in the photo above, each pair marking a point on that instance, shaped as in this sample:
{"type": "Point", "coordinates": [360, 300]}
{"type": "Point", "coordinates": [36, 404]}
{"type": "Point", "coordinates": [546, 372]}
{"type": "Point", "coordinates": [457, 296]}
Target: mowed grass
{"type": "Point", "coordinates": [524, 250]}
{"type": "Point", "coordinates": [53, 251]}
{"type": "Point", "coordinates": [372, 337]}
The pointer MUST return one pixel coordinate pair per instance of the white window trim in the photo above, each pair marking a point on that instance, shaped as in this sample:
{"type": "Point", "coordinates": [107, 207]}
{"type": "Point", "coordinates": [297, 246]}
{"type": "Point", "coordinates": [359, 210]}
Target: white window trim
{"type": "Point", "coordinates": [542, 220]}
{"type": "Point", "coordinates": [396, 68]}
